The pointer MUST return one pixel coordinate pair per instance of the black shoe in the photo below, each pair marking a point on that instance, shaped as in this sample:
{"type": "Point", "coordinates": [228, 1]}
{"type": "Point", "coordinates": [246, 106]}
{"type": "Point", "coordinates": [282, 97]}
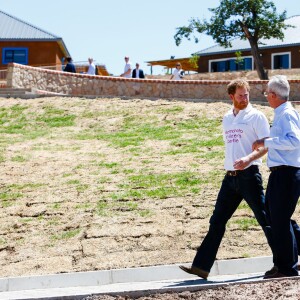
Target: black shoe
{"type": "Point", "coordinates": [195, 271]}
{"type": "Point", "coordinates": [275, 270]}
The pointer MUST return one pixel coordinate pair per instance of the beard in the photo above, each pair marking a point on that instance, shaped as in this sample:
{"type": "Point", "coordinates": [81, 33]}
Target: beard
{"type": "Point", "coordinates": [240, 105]}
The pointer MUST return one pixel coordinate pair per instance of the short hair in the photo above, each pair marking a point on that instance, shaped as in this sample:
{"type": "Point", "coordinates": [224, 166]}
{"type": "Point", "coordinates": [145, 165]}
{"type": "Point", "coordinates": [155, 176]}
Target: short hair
{"type": "Point", "coordinates": [279, 85]}
{"type": "Point", "coordinates": [235, 84]}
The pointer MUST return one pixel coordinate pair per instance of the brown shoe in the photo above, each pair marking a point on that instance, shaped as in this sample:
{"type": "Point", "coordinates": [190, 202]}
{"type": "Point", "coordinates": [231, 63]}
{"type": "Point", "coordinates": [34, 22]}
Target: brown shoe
{"type": "Point", "coordinates": [195, 271]}
{"type": "Point", "coordinates": [272, 271]}
{"type": "Point", "coordinates": [275, 275]}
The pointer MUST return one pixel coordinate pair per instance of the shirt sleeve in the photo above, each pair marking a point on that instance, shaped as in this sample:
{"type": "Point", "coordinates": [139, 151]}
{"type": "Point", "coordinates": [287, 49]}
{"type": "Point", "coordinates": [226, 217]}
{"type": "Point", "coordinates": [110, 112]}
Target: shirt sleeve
{"type": "Point", "coordinates": [285, 134]}
{"type": "Point", "coordinates": [262, 127]}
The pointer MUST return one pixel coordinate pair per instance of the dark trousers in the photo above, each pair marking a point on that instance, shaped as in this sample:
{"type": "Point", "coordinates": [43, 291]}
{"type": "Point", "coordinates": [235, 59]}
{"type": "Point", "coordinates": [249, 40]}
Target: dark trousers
{"type": "Point", "coordinates": [246, 185]}
{"type": "Point", "coordinates": [282, 195]}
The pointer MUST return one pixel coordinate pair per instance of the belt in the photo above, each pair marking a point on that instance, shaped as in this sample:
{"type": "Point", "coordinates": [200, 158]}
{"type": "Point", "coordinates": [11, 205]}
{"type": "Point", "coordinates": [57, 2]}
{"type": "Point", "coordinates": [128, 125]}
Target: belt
{"type": "Point", "coordinates": [233, 173]}
{"type": "Point", "coordinates": [236, 172]}
{"type": "Point", "coordinates": [280, 167]}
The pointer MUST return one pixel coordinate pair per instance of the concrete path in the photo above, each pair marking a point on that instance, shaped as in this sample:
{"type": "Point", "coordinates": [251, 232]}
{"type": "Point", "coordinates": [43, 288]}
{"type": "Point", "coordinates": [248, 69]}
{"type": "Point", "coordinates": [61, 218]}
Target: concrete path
{"type": "Point", "coordinates": [131, 281]}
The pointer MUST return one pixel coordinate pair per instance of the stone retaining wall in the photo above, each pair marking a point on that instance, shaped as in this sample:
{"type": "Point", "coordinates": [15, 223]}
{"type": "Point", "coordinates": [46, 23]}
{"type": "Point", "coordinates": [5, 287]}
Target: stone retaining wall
{"type": "Point", "coordinates": [20, 76]}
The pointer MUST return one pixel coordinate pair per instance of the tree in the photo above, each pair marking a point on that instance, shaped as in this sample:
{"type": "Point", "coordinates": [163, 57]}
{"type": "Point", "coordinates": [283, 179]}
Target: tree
{"type": "Point", "coordinates": [245, 19]}
{"type": "Point", "coordinates": [194, 60]}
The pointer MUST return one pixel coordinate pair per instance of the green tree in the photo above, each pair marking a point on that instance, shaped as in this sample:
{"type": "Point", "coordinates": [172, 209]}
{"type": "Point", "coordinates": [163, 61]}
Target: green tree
{"type": "Point", "coordinates": [245, 19]}
{"type": "Point", "coordinates": [194, 60]}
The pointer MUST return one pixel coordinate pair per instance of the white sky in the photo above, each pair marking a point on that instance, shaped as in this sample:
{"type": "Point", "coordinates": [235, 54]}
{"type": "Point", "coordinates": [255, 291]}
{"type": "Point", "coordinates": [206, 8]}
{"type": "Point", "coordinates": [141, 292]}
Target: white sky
{"type": "Point", "coordinates": [109, 30]}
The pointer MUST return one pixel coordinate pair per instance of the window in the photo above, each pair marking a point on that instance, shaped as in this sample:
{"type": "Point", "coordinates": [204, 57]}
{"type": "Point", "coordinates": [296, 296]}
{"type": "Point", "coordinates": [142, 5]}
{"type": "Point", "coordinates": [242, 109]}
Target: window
{"type": "Point", "coordinates": [230, 64]}
{"type": "Point", "coordinates": [17, 55]}
{"type": "Point", "coordinates": [281, 60]}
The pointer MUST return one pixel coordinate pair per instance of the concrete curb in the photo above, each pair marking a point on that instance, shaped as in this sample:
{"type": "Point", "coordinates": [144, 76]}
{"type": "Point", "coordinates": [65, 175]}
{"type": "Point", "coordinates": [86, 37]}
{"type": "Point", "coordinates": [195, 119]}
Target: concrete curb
{"type": "Point", "coordinates": [79, 284]}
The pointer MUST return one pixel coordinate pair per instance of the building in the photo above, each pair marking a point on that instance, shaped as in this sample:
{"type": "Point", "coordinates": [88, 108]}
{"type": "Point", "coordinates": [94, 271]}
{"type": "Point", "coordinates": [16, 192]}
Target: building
{"type": "Point", "coordinates": [276, 54]}
{"type": "Point", "coordinates": [27, 44]}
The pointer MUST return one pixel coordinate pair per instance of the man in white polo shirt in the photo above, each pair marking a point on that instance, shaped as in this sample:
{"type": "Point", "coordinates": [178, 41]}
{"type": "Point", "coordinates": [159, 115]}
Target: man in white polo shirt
{"type": "Point", "coordinates": [127, 68]}
{"type": "Point", "coordinates": [242, 125]}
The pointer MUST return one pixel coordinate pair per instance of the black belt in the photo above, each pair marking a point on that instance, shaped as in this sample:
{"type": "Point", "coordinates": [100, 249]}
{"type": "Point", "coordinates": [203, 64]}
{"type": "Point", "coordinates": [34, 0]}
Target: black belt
{"type": "Point", "coordinates": [236, 172]}
{"type": "Point", "coordinates": [233, 173]}
{"type": "Point", "coordinates": [280, 167]}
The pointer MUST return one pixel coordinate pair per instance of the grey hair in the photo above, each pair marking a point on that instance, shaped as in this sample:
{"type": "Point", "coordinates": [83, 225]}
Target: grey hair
{"type": "Point", "coordinates": [280, 86]}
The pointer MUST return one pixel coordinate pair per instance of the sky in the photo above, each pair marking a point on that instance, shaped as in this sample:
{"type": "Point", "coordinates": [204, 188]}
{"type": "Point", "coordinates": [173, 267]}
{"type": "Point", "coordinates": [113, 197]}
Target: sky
{"type": "Point", "coordinates": [110, 30]}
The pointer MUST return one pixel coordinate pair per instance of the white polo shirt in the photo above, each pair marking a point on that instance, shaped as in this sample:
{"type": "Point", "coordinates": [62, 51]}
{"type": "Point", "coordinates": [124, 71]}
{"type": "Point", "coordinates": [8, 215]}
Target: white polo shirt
{"type": "Point", "coordinates": [239, 133]}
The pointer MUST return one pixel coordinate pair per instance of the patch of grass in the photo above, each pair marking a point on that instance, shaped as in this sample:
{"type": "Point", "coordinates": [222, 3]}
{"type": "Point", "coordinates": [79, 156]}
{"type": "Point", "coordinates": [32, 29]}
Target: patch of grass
{"type": "Point", "coordinates": [213, 155]}
{"type": "Point", "coordinates": [54, 221]}
{"type": "Point", "coordinates": [25, 186]}
{"type": "Point", "coordinates": [132, 205]}
{"type": "Point", "coordinates": [145, 213]}
{"type": "Point", "coordinates": [102, 208]}
{"type": "Point", "coordinates": [207, 126]}
{"type": "Point", "coordinates": [160, 186]}
{"type": "Point", "coordinates": [16, 120]}
{"type": "Point", "coordinates": [58, 121]}
{"type": "Point", "coordinates": [26, 220]}
{"type": "Point", "coordinates": [2, 241]}
{"type": "Point", "coordinates": [83, 206]}
{"type": "Point", "coordinates": [67, 175]}
{"type": "Point", "coordinates": [80, 188]}
{"type": "Point", "coordinates": [194, 145]}
{"type": "Point", "coordinates": [128, 171]}
{"type": "Point", "coordinates": [56, 205]}
{"type": "Point", "coordinates": [132, 134]}
{"type": "Point", "coordinates": [18, 158]}
{"type": "Point", "coordinates": [11, 192]}
{"type": "Point", "coordinates": [66, 235]}
{"type": "Point", "coordinates": [244, 205]}
{"type": "Point", "coordinates": [246, 223]}
{"type": "Point", "coordinates": [73, 181]}
{"type": "Point", "coordinates": [108, 165]}
{"type": "Point", "coordinates": [7, 198]}
{"type": "Point", "coordinates": [173, 110]}
{"type": "Point", "coordinates": [246, 255]}
{"type": "Point", "coordinates": [103, 180]}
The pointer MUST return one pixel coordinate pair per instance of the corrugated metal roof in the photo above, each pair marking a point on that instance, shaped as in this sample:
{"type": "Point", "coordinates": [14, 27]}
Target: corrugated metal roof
{"type": "Point", "coordinates": [291, 38]}
{"type": "Point", "coordinates": [12, 28]}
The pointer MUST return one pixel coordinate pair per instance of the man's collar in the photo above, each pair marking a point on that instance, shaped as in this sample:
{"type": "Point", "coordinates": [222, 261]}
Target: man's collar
{"type": "Point", "coordinates": [246, 110]}
{"type": "Point", "coordinates": [282, 106]}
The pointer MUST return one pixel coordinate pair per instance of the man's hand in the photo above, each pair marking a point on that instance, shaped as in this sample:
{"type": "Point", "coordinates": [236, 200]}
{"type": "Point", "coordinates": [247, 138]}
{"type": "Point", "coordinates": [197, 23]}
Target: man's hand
{"type": "Point", "coordinates": [241, 163]}
{"type": "Point", "coordinates": [258, 144]}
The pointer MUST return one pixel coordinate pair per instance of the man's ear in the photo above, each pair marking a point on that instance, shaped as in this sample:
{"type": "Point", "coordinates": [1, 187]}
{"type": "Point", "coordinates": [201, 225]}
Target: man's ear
{"type": "Point", "coordinates": [231, 97]}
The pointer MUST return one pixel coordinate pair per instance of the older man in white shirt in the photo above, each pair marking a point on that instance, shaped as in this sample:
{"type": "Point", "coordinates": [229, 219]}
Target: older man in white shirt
{"type": "Point", "coordinates": [283, 188]}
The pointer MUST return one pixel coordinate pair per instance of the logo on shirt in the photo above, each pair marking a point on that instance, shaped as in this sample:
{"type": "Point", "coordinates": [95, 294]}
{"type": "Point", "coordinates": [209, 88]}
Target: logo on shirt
{"type": "Point", "coordinates": [233, 135]}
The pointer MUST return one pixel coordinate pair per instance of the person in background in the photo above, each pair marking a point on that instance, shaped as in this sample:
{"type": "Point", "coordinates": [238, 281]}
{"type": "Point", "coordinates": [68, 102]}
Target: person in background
{"type": "Point", "coordinates": [127, 68]}
{"type": "Point", "coordinates": [178, 73]}
{"type": "Point", "coordinates": [70, 67]}
{"type": "Point", "coordinates": [92, 68]}
{"type": "Point", "coordinates": [283, 189]}
{"type": "Point", "coordinates": [137, 72]}
{"type": "Point", "coordinates": [242, 125]}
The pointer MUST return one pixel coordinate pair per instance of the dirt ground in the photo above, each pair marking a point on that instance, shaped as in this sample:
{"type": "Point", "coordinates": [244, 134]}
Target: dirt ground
{"type": "Point", "coordinates": [282, 289]}
{"type": "Point", "coordinates": [54, 191]}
